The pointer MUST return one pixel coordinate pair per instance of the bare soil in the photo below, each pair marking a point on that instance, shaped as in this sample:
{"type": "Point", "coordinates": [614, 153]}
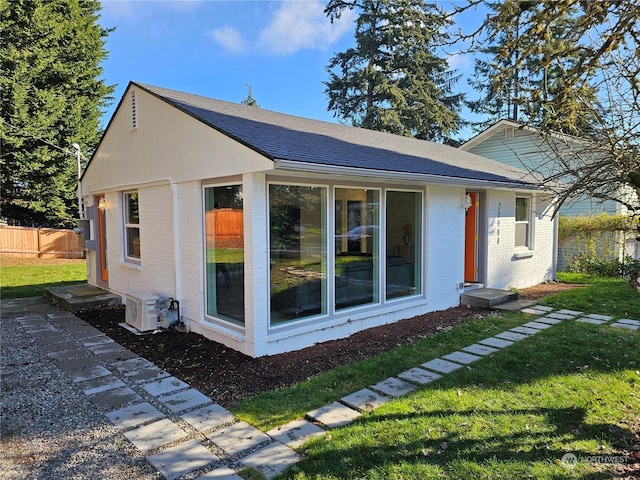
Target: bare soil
{"type": "Point", "coordinates": [228, 376]}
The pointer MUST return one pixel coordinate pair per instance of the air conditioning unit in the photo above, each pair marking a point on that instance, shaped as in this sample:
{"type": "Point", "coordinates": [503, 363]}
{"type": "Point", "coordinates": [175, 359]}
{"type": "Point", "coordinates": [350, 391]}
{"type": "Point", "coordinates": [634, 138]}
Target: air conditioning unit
{"type": "Point", "coordinates": [140, 311]}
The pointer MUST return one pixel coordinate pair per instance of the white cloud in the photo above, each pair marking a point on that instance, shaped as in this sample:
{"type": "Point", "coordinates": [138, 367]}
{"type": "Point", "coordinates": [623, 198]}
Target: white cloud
{"type": "Point", "coordinates": [302, 25]}
{"type": "Point", "coordinates": [460, 62]}
{"type": "Point", "coordinates": [228, 38]}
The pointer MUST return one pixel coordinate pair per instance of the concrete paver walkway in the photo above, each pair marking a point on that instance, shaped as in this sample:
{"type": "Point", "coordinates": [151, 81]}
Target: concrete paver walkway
{"type": "Point", "coordinates": [184, 432]}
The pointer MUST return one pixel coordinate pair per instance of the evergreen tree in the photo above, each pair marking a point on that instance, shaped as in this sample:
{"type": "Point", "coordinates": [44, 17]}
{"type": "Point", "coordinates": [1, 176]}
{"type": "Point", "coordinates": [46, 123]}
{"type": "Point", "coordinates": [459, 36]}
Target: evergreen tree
{"type": "Point", "coordinates": [250, 101]}
{"type": "Point", "coordinates": [392, 80]}
{"type": "Point", "coordinates": [587, 55]}
{"type": "Point", "coordinates": [50, 54]}
{"type": "Point", "coordinates": [526, 83]}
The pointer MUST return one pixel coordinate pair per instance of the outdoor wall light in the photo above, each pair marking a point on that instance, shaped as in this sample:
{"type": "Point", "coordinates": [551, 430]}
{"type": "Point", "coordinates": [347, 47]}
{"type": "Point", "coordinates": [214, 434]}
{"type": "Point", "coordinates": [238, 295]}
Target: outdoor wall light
{"type": "Point", "coordinates": [102, 204]}
{"type": "Point", "coordinates": [467, 202]}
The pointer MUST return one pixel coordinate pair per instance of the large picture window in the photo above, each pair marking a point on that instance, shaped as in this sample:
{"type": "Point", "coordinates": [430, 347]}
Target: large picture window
{"type": "Point", "coordinates": [224, 243]}
{"type": "Point", "coordinates": [403, 240]}
{"type": "Point", "coordinates": [357, 240]}
{"type": "Point", "coordinates": [523, 221]}
{"type": "Point", "coordinates": [298, 261]}
{"type": "Point", "coordinates": [131, 226]}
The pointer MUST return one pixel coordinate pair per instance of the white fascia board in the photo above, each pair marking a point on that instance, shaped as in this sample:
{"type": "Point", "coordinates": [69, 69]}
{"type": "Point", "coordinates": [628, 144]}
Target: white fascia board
{"type": "Point", "coordinates": [421, 177]}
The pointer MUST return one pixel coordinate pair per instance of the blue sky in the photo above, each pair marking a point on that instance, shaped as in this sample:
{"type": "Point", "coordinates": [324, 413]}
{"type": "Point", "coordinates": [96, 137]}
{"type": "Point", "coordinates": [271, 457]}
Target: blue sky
{"type": "Point", "coordinates": [217, 48]}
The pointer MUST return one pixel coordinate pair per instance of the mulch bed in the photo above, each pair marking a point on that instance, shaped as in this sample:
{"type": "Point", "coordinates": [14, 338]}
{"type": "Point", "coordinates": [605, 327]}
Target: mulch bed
{"type": "Point", "coordinates": [229, 377]}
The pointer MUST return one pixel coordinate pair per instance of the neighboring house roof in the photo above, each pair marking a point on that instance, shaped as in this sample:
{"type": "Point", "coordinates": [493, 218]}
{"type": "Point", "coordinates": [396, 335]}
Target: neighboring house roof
{"type": "Point", "coordinates": [303, 144]}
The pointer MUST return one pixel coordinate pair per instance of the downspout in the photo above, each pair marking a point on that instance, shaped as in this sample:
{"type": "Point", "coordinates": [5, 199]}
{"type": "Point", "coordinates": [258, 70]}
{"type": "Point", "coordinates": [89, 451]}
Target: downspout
{"type": "Point", "coordinates": [176, 241]}
{"type": "Point", "coordinates": [554, 273]}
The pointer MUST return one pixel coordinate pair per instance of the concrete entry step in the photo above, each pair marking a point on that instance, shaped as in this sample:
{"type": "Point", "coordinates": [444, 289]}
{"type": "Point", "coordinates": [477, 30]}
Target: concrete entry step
{"type": "Point", "coordinates": [81, 296]}
{"type": "Point", "coordinates": [487, 297]}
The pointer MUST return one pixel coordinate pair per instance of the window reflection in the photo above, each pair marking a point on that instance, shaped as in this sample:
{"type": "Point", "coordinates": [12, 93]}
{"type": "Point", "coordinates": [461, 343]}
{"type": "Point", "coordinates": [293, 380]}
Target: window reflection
{"type": "Point", "coordinates": [298, 254]}
{"type": "Point", "coordinates": [356, 247]}
{"type": "Point", "coordinates": [224, 230]}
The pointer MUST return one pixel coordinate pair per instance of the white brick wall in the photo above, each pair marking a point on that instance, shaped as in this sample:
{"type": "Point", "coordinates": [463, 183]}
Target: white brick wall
{"type": "Point", "coordinates": [155, 273]}
{"type": "Point", "coordinates": [445, 246]}
{"type": "Point", "coordinates": [505, 269]}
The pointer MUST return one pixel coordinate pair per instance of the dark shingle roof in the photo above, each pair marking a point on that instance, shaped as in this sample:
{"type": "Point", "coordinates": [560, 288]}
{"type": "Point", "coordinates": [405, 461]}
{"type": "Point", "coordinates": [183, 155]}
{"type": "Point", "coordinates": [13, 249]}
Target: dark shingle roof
{"type": "Point", "coordinates": [286, 137]}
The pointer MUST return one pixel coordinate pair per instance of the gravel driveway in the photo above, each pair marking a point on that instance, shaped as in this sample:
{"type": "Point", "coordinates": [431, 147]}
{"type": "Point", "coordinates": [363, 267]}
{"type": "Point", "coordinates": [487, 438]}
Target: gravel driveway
{"type": "Point", "coordinates": [48, 428]}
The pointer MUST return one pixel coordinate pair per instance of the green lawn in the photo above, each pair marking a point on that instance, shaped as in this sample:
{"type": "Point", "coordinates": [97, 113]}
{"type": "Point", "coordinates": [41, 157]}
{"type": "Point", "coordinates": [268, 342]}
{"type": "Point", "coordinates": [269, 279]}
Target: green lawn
{"type": "Point", "coordinates": [32, 277]}
{"type": "Point", "coordinates": [572, 389]}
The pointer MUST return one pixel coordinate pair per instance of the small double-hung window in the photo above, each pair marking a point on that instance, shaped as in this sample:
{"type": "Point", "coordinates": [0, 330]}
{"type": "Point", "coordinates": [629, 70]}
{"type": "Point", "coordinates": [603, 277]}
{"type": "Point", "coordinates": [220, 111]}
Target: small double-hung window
{"type": "Point", "coordinates": [523, 222]}
{"type": "Point", "coordinates": [131, 226]}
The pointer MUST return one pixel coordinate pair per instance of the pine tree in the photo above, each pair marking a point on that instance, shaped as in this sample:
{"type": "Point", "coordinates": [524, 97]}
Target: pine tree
{"type": "Point", "coordinates": [392, 80]}
{"type": "Point", "coordinates": [517, 86]}
{"type": "Point", "coordinates": [249, 100]}
{"type": "Point", "coordinates": [50, 54]}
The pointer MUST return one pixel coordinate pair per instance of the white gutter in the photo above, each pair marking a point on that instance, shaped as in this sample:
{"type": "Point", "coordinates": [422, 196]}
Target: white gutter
{"type": "Point", "coordinates": [421, 177]}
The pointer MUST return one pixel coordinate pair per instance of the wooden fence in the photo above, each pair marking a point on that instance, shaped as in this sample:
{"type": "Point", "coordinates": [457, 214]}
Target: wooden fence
{"type": "Point", "coordinates": [40, 242]}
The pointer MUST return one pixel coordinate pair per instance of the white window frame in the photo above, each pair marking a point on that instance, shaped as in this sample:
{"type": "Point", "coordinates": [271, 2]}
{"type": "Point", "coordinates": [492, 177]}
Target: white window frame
{"type": "Point", "coordinates": [127, 226]}
{"type": "Point", "coordinates": [528, 245]}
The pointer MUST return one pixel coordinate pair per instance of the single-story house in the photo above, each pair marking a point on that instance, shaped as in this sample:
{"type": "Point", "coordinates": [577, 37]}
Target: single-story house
{"type": "Point", "coordinates": [276, 232]}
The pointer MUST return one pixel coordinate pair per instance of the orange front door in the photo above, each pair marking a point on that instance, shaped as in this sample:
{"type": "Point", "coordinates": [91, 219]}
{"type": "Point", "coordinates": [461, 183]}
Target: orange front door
{"type": "Point", "coordinates": [471, 240]}
{"type": "Point", "coordinates": [102, 243]}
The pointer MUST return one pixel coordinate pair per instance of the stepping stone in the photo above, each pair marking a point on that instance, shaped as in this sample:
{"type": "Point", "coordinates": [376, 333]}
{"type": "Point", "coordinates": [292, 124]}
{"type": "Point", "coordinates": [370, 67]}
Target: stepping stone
{"type": "Point", "coordinates": [560, 316]}
{"type": "Point", "coordinates": [364, 400]}
{"type": "Point", "coordinates": [112, 399]}
{"type": "Point", "coordinates": [537, 325]}
{"type": "Point", "coordinates": [107, 348]}
{"type": "Point", "coordinates": [573, 313]}
{"type": "Point", "coordinates": [334, 415]}
{"type": "Point", "coordinates": [628, 321]}
{"type": "Point", "coordinates": [163, 386]}
{"type": "Point", "coordinates": [221, 473]}
{"type": "Point", "coordinates": [393, 387]}
{"type": "Point", "coordinates": [181, 401]}
{"type": "Point", "coordinates": [97, 341]}
{"type": "Point", "coordinates": [595, 316]}
{"type": "Point", "coordinates": [72, 365]}
{"type": "Point", "coordinates": [146, 375]}
{"type": "Point", "coordinates": [272, 459]}
{"type": "Point", "coordinates": [593, 321]}
{"type": "Point", "coordinates": [72, 354]}
{"type": "Point", "coordinates": [132, 365]}
{"type": "Point", "coordinates": [116, 356]}
{"type": "Point", "coordinates": [478, 349]}
{"type": "Point", "coordinates": [513, 336]}
{"type": "Point", "coordinates": [418, 375]}
{"type": "Point", "coordinates": [101, 384]}
{"type": "Point", "coordinates": [129, 417]}
{"type": "Point", "coordinates": [440, 365]}
{"type": "Point", "coordinates": [208, 418]}
{"type": "Point", "coordinates": [543, 307]}
{"type": "Point", "coordinates": [156, 434]}
{"type": "Point", "coordinates": [86, 332]}
{"type": "Point", "coordinates": [525, 330]}
{"type": "Point", "coordinates": [58, 347]}
{"type": "Point", "coordinates": [238, 437]}
{"type": "Point", "coordinates": [496, 342]}
{"type": "Point", "coordinates": [88, 373]}
{"type": "Point", "coordinates": [533, 311]}
{"type": "Point", "coordinates": [181, 459]}
{"type": "Point", "coordinates": [461, 357]}
{"type": "Point", "coordinates": [625, 325]}
{"type": "Point", "coordinates": [547, 320]}
{"type": "Point", "coordinates": [295, 433]}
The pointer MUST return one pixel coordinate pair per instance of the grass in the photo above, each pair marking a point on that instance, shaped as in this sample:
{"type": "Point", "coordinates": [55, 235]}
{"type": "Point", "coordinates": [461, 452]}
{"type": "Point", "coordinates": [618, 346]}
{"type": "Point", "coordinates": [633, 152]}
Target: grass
{"type": "Point", "coordinates": [23, 277]}
{"type": "Point", "coordinates": [574, 388]}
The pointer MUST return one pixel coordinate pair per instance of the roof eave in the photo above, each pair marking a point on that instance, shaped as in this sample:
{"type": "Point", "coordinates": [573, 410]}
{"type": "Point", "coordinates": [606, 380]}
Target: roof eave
{"type": "Point", "coordinates": [292, 165]}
